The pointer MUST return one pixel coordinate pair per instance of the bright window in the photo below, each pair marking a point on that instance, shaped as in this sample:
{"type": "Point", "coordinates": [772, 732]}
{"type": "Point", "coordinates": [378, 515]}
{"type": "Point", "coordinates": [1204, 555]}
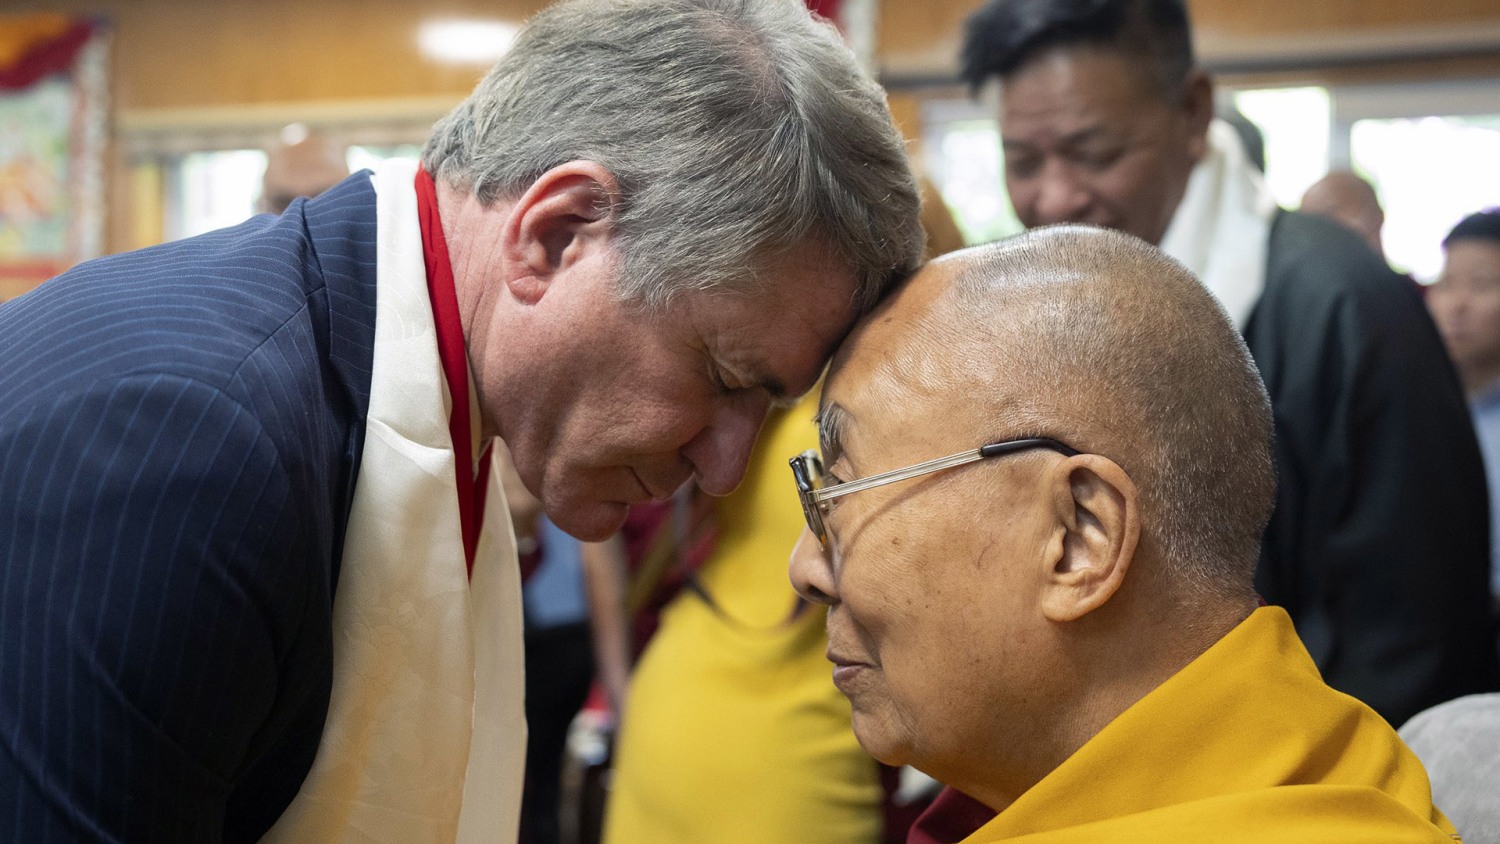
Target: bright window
{"type": "Point", "coordinates": [961, 157]}
{"type": "Point", "coordinates": [1296, 124]}
{"type": "Point", "coordinates": [369, 157]}
{"type": "Point", "coordinates": [1430, 172]}
{"type": "Point", "coordinates": [968, 175]}
{"type": "Point", "coordinates": [215, 190]}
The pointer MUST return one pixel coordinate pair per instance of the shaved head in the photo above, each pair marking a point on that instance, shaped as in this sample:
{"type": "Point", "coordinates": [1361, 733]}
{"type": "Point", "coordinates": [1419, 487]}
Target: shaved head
{"type": "Point", "coordinates": [1099, 340]}
{"type": "Point", "coordinates": [992, 614]}
{"type": "Point", "coordinates": [1349, 200]}
{"type": "Point", "coordinates": [304, 165]}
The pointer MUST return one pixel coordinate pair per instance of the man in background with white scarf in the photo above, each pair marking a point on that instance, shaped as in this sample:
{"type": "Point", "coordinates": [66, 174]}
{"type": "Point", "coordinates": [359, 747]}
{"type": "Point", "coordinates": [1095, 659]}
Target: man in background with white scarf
{"type": "Point", "coordinates": [1378, 545]}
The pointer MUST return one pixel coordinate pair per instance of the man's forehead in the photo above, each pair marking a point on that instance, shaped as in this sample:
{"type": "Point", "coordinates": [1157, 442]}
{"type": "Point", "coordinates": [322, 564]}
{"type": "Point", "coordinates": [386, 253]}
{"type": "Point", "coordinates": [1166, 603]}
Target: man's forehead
{"type": "Point", "coordinates": [1076, 83]}
{"type": "Point", "coordinates": [898, 321]}
{"type": "Point", "coordinates": [1475, 250]}
{"type": "Point", "coordinates": [1472, 265]}
{"type": "Point", "coordinates": [780, 338]}
{"type": "Point", "coordinates": [860, 392]}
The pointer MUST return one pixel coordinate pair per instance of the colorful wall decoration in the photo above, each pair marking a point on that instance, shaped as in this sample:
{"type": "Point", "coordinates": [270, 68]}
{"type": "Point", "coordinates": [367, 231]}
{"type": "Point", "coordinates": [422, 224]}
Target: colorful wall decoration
{"type": "Point", "coordinates": [53, 123]}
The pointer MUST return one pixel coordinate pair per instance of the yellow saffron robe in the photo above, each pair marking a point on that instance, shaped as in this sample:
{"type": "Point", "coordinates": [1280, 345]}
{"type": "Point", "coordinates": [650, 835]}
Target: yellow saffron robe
{"type": "Point", "coordinates": [1245, 744]}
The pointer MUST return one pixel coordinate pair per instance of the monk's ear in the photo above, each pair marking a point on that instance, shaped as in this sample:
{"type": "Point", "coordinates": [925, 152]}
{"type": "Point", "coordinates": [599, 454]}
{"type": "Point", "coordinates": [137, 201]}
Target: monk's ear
{"type": "Point", "coordinates": [1198, 111]}
{"type": "Point", "coordinates": [560, 221]}
{"type": "Point", "coordinates": [1097, 511]}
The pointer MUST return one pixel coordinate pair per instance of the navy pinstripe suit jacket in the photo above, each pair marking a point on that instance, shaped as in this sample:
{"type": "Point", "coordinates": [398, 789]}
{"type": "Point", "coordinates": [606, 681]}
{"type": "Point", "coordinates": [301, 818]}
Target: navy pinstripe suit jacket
{"type": "Point", "coordinates": [180, 429]}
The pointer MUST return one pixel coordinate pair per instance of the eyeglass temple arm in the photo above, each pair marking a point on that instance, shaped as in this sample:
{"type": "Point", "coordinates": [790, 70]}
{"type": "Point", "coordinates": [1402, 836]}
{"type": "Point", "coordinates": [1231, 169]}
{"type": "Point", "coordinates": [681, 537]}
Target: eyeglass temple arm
{"type": "Point", "coordinates": [940, 463]}
{"type": "Point", "coordinates": [933, 465]}
{"type": "Point", "coordinates": [997, 449]}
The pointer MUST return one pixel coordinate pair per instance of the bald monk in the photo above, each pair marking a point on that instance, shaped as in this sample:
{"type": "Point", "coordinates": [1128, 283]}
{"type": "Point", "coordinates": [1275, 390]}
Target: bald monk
{"type": "Point", "coordinates": [302, 164]}
{"type": "Point", "coordinates": [1349, 200]}
{"type": "Point", "coordinates": [1059, 621]}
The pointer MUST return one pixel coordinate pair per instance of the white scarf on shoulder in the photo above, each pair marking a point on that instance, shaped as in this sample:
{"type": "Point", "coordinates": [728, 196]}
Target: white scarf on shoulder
{"type": "Point", "coordinates": [426, 733]}
{"type": "Point", "coordinates": [1222, 227]}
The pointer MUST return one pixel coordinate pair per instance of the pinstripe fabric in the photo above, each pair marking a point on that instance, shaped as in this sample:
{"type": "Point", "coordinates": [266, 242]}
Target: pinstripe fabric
{"type": "Point", "coordinates": [179, 435]}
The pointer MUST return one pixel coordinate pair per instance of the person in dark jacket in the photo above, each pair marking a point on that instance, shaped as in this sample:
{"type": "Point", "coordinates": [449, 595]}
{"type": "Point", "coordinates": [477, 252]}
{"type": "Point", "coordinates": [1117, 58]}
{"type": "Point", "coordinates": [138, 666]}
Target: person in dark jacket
{"type": "Point", "coordinates": [1378, 547]}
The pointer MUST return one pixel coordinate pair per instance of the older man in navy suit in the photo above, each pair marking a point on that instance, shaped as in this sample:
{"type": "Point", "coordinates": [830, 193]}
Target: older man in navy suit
{"type": "Point", "coordinates": [255, 579]}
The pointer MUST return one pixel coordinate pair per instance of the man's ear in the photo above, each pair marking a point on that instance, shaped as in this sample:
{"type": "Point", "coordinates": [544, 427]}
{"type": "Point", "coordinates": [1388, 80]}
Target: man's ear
{"type": "Point", "coordinates": [1097, 507]}
{"type": "Point", "coordinates": [1198, 111]}
{"type": "Point", "coordinates": [566, 214]}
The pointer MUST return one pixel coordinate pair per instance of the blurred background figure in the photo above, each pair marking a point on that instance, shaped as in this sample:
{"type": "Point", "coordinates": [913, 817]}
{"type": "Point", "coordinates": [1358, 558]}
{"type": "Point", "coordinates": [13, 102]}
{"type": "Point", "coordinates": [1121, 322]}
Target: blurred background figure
{"type": "Point", "coordinates": [1251, 137]}
{"type": "Point", "coordinates": [1349, 200]}
{"type": "Point", "coordinates": [943, 235]}
{"type": "Point", "coordinates": [1379, 553]}
{"type": "Point", "coordinates": [735, 733]}
{"type": "Point", "coordinates": [302, 163]}
{"type": "Point", "coordinates": [1465, 303]}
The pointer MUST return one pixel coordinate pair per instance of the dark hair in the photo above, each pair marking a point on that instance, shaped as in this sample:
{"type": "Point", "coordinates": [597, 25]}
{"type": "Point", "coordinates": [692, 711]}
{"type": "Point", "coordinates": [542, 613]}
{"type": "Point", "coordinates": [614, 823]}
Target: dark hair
{"type": "Point", "coordinates": [1484, 225]}
{"type": "Point", "coordinates": [1004, 34]}
{"type": "Point", "coordinates": [1251, 136]}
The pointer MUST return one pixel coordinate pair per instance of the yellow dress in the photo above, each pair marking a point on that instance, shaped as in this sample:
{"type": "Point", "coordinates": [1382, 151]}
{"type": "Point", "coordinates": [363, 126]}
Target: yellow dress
{"type": "Point", "coordinates": [1246, 745]}
{"type": "Point", "coordinates": [734, 732]}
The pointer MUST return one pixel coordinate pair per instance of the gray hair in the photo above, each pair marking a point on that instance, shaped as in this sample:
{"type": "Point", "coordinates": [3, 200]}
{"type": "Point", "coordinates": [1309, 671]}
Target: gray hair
{"type": "Point", "coordinates": [1126, 354]}
{"type": "Point", "coordinates": [736, 129]}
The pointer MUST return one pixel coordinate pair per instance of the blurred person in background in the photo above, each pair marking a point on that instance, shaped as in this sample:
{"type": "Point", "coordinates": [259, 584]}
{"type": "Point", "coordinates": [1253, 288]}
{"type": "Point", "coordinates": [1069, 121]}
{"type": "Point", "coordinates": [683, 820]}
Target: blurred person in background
{"type": "Point", "coordinates": [258, 579]}
{"type": "Point", "coordinates": [735, 733]}
{"type": "Point", "coordinates": [943, 235]}
{"type": "Point", "coordinates": [1465, 302]}
{"type": "Point", "coordinates": [1350, 200]}
{"type": "Point", "coordinates": [303, 163]}
{"type": "Point", "coordinates": [1378, 547]}
{"type": "Point", "coordinates": [1252, 139]}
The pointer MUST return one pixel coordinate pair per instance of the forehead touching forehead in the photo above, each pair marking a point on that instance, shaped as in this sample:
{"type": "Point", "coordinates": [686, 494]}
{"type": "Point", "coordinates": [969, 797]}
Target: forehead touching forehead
{"type": "Point", "coordinates": [778, 334]}
{"type": "Point", "coordinates": [1094, 338]}
{"type": "Point", "coordinates": [899, 370]}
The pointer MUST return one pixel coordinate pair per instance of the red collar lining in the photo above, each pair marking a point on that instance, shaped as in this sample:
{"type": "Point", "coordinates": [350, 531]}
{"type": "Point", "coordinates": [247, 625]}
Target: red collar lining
{"type": "Point", "coordinates": [454, 356]}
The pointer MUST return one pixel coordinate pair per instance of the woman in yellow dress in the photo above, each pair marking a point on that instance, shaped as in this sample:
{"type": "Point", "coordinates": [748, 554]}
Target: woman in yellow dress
{"type": "Point", "coordinates": [734, 732]}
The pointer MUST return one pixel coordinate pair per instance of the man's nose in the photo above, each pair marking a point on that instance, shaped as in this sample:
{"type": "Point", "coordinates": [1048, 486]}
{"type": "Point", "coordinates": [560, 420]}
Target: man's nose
{"type": "Point", "coordinates": [1062, 196]}
{"type": "Point", "coordinates": [810, 570]}
{"type": "Point", "coordinates": [721, 451]}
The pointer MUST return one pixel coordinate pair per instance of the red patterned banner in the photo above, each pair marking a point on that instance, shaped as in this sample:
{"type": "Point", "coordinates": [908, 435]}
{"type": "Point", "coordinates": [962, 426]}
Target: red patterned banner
{"type": "Point", "coordinates": [53, 87]}
{"type": "Point", "coordinates": [35, 46]}
{"type": "Point", "coordinates": [826, 8]}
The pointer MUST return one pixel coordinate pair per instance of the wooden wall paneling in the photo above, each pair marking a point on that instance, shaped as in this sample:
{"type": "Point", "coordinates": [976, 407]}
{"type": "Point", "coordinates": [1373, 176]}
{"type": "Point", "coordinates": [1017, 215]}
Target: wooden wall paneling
{"type": "Point", "coordinates": [919, 41]}
{"type": "Point", "coordinates": [259, 61]}
{"type": "Point", "coordinates": [183, 53]}
{"type": "Point", "coordinates": [1290, 17]}
{"type": "Point", "coordinates": [185, 72]}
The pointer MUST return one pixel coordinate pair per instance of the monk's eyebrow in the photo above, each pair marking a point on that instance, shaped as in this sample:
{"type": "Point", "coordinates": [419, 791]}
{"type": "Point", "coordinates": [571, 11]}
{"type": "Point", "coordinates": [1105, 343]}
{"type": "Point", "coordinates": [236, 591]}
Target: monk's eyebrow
{"type": "Point", "coordinates": [833, 421]}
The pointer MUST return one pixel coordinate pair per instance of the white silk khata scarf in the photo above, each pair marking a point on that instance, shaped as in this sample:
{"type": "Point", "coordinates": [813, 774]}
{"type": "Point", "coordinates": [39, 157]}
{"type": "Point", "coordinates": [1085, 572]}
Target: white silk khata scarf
{"type": "Point", "coordinates": [1222, 227]}
{"type": "Point", "coordinates": [426, 733]}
